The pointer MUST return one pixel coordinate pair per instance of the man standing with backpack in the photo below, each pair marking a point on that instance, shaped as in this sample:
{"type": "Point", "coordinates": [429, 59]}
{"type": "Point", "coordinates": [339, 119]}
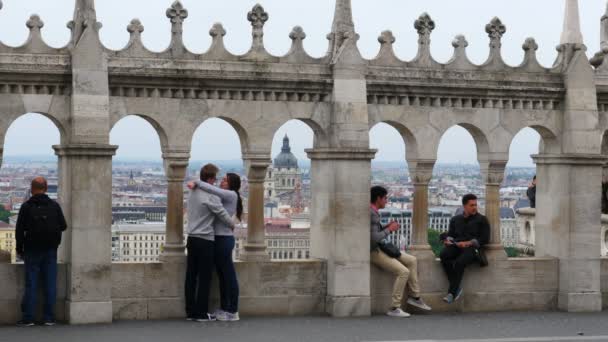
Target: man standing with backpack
{"type": "Point", "coordinates": [38, 232]}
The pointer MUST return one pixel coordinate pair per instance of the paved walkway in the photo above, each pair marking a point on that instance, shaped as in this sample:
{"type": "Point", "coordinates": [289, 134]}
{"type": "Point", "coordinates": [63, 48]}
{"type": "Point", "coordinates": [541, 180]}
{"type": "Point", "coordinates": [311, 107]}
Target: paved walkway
{"type": "Point", "coordinates": [496, 327]}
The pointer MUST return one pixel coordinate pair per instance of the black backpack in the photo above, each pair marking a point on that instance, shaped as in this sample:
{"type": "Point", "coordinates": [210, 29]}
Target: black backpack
{"type": "Point", "coordinates": [44, 221]}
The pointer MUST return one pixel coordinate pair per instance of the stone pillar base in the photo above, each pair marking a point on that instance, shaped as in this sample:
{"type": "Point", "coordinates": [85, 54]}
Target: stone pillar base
{"type": "Point", "coordinates": [348, 306]}
{"type": "Point", "coordinates": [255, 256]}
{"type": "Point", "coordinates": [580, 302]}
{"type": "Point", "coordinates": [88, 312]}
{"type": "Point", "coordinates": [173, 253]}
{"type": "Point", "coordinates": [495, 252]}
{"type": "Point", "coordinates": [422, 252]}
{"type": "Point", "coordinates": [173, 258]}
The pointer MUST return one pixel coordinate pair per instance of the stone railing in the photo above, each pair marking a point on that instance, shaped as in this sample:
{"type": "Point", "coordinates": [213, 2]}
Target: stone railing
{"type": "Point", "coordinates": [155, 291]}
{"type": "Point", "coordinates": [525, 222]}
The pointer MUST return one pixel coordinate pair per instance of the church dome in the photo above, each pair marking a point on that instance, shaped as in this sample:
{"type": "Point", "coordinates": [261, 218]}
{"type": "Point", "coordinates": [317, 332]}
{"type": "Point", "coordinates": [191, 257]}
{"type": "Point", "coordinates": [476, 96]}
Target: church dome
{"type": "Point", "coordinates": [286, 159]}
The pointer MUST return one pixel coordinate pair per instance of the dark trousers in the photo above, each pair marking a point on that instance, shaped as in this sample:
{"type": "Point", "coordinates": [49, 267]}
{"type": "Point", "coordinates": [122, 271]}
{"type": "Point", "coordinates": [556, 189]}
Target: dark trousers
{"type": "Point", "coordinates": [454, 260]}
{"type": "Point", "coordinates": [198, 276]}
{"type": "Point", "coordinates": [229, 286]}
{"type": "Point", "coordinates": [40, 264]}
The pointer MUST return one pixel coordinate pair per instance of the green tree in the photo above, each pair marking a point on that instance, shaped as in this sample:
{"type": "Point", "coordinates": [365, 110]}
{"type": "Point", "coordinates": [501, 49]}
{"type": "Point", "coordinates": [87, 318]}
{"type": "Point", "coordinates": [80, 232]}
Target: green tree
{"type": "Point", "coordinates": [4, 215]}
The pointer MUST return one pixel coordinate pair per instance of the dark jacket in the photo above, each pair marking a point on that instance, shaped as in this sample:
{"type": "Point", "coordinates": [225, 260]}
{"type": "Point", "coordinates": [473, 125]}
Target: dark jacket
{"type": "Point", "coordinates": [474, 228]}
{"type": "Point", "coordinates": [531, 193]}
{"type": "Point", "coordinates": [378, 232]}
{"type": "Point", "coordinates": [27, 240]}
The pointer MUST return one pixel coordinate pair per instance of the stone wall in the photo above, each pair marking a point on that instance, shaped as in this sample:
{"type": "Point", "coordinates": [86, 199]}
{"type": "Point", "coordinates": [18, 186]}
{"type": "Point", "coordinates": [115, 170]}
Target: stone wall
{"type": "Point", "coordinates": [506, 285]}
{"type": "Point", "coordinates": [155, 291]}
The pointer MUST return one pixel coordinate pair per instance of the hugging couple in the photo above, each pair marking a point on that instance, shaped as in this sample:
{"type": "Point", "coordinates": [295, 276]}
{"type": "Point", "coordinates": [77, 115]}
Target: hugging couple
{"type": "Point", "coordinates": [213, 214]}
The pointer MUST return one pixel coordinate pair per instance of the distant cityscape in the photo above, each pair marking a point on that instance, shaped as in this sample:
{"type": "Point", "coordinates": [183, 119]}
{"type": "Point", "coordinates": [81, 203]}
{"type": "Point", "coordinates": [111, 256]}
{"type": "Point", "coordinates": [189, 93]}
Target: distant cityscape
{"type": "Point", "coordinates": [139, 201]}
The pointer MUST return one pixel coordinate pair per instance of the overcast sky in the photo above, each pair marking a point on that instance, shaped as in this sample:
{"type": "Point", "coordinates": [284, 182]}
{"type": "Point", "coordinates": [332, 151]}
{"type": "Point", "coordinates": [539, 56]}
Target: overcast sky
{"type": "Point", "coordinates": [541, 19]}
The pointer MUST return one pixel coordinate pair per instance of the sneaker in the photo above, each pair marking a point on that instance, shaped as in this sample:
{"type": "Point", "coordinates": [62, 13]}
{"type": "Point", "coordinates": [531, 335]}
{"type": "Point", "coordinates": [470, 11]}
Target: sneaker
{"type": "Point", "coordinates": [419, 303]}
{"type": "Point", "coordinates": [398, 313]}
{"type": "Point", "coordinates": [25, 323]}
{"type": "Point", "coordinates": [458, 294]}
{"type": "Point", "coordinates": [218, 312]}
{"type": "Point", "coordinates": [449, 298]}
{"type": "Point", "coordinates": [49, 323]}
{"type": "Point", "coordinates": [207, 318]}
{"type": "Point", "coordinates": [229, 317]}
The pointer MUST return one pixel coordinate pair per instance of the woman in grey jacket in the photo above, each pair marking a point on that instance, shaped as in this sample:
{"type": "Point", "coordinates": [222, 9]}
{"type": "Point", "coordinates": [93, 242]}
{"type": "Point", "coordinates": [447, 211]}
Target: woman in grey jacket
{"type": "Point", "coordinates": [229, 194]}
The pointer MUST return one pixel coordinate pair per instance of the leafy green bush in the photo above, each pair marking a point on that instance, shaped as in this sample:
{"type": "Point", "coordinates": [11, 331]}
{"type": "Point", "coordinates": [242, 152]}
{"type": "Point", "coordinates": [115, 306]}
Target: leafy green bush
{"type": "Point", "coordinates": [436, 245]}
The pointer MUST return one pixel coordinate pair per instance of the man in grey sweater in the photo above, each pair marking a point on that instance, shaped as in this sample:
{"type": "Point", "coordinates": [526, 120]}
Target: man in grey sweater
{"type": "Point", "coordinates": [204, 212]}
{"type": "Point", "coordinates": [402, 265]}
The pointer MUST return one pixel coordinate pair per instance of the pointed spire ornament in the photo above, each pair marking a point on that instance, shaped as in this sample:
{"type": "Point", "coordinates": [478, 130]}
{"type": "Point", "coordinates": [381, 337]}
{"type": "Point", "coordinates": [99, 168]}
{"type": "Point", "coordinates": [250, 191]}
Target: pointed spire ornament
{"type": "Point", "coordinates": [571, 33]}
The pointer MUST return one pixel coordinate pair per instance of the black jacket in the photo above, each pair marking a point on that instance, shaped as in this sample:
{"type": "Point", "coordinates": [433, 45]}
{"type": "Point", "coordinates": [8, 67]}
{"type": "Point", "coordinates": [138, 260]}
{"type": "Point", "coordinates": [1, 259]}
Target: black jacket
{"type": "Point", "coordinates": [531, 193]}
{"type": "Point", "coordinates": [472, 228]}
{"type": "Point", "coordinates": [26, 239]}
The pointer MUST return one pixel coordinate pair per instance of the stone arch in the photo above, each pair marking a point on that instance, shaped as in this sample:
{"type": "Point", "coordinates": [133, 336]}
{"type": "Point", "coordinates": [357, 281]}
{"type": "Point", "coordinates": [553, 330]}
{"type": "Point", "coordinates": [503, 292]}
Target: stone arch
{"type": "Point", "coordinates": [266, 136]}
{"type": "Point", "coordinates": [240, 130]}
{"type": "Point", "coordinates": [160, 130]}
{"type": "Point", "coordinates": [479, 137]}
{"type": "Point", "coordinates": [548, 139]}
{"type": "Point", "coordinates": [57, 121]}
{"type": "Point", "coordinates": [409, 139]}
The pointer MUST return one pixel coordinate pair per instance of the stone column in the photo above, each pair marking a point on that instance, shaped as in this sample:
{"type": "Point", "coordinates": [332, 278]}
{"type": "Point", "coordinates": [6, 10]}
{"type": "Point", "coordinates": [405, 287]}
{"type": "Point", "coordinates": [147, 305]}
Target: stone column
{"type": "Point", "coordinates": [421, 172]}
{"type": "Point", "coordinates": [254, 248]}
{"type": "Point", "coordinates": [176, 165]}
{"type": "Point", "coordinates": [87, 168]}
{"type": "Point", "coordinates": [63, 172]}
{"type": "Point", "coordinates": [493, 173]}
{"type": "Point", "coordinates": [340, 226]}
{"type": "Point", "coordinates": [568, 225]}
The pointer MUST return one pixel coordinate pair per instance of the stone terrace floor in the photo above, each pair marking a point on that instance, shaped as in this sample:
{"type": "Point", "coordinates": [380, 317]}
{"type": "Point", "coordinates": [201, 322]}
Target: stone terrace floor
{"type": "Point", "coordinates": [500, 327]}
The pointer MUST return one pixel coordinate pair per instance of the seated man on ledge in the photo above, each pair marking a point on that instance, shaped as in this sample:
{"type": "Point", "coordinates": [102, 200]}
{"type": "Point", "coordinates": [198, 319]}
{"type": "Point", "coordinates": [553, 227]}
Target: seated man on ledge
{"type": "Point", "coordinates": [402, 265]}
{"type": "Point", "coordinates": [466, 235]}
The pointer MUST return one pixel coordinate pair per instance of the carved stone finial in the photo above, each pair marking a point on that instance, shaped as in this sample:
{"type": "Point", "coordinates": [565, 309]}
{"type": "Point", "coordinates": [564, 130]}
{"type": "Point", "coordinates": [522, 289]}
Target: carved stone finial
{"type": "Point", "coordinates": [297, 33]}
{"type": "Point", "coordinates": [34, 23]}
{"type": "Point", "coordinates": [496, 29]}
{"type": "Point", "coordinates": [530, 45]}
{"type": "Point", "coordinates": [257, 16]}
{"type": "Point", "coordinates": [177, 13]}
{"type": "Point", "coordinates": [387, 37]}
{"type": "Point", "coordinates": [424, 24]}
{"type": "Point", "coordinates": [217, 30]}
{"type": "Point", "coordinates": [135, 27]}
{"type": "Point", "coordinates": [460, 42]}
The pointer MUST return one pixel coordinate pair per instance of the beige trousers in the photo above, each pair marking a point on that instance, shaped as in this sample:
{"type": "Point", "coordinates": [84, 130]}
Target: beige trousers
{"type": "Point", "coordinates": [405, 268]}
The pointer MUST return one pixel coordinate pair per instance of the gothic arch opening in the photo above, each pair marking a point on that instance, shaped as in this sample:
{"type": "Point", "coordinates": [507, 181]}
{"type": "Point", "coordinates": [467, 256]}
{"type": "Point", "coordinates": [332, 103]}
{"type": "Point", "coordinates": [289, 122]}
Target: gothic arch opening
{"type": "Point", "coordinates": [456, 172]}
{"type": "Point", "coordinates": [139, 191]}
{"type": "Point", "coordinates": [288, 186]}
{"type": "Point", "coordinates": [219, 141]}
{"type": "Point", "coordinates": [27, 153]}
{"type": "Point", "coordinates": [390, 170]}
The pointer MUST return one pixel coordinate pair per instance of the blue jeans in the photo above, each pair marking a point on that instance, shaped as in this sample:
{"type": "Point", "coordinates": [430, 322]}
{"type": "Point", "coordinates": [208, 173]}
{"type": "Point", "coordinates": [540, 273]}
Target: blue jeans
{"type": "Point", "coordinates": [229, 286]}
{"type": "Point", "coordinates": [40, 264]}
